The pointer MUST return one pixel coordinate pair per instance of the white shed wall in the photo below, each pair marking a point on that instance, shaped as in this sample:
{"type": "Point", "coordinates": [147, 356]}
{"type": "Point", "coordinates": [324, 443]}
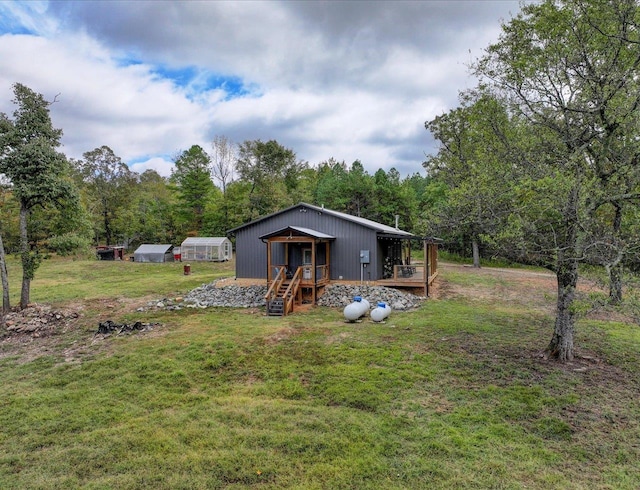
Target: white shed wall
{"type": "Point", "coordinates": [210, 249]}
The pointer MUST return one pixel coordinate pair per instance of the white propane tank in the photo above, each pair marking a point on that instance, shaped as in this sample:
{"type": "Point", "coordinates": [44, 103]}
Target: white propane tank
{"type": "Point", "coordinates": [357, 309]}
{"type": "Point", "coordinates": [381, 312]}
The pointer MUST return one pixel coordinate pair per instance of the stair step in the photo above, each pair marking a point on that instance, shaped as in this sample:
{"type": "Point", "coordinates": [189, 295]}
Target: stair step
{"type": "Point", "coordinates": [276, 307]}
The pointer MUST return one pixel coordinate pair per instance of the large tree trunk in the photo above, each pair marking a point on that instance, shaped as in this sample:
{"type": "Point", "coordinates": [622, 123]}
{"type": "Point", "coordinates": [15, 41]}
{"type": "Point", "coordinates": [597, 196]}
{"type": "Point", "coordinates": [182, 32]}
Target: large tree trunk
{"type": "Point", "coordinates": [615, 269]}
{"type": "Point", "coordinates": [4, 277]}
{"type": "Point", "coordinates": [107, 227]}
{"type": "Point", "coordinates": [27, 266]}
{"type": "Point", "coordinates": [475, 249]}
{"type": "Point", "coordinates": [615, 284]}
{"type": "Point", "coordinates": [561, 345]}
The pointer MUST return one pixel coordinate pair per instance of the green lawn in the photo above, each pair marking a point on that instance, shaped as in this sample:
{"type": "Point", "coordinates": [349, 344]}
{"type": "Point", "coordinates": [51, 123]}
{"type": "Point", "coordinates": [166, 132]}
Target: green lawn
{"type": "Point", "coordinates": [453, 395]}
{"type": "Point", "coordinates": [62, 279]}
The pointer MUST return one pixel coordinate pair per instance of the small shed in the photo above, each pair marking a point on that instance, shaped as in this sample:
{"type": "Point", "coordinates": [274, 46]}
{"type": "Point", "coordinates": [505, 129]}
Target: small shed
{"type": "Point", "coordinates": [153, 253]}
{"type": "Point", "coordinates": [212, 249]}
{"type": "Point", "coordinates": [110, 252]}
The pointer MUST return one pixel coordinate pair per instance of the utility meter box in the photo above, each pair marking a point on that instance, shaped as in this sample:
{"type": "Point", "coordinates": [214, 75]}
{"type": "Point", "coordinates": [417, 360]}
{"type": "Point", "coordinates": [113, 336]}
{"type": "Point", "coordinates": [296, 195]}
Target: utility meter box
{"type": "Point", "coordinates": [364, 256]}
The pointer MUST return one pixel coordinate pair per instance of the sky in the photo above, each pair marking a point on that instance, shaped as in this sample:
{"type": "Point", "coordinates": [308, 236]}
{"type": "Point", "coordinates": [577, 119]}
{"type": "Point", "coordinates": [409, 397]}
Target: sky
{"type": "Point", "coordinates": [349, 80]}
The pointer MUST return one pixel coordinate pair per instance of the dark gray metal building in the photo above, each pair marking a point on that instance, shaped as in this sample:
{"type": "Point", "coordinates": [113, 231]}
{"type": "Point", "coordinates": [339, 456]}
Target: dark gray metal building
{"type": "Point", "coordinates": [301, 249]}
{"type": "Point", "coordinates": [359, 249]}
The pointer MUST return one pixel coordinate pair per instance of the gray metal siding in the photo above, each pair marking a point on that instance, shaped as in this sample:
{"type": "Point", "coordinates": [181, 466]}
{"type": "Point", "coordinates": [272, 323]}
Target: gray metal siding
{"type": "Point", "coordinates": [251, 252]}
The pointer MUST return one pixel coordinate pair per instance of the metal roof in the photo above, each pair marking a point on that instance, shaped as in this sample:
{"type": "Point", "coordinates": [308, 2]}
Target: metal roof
{"type": "Point", "coordinates": [147, 248]}
{"type": "Point", "coordinates": [390, 230]}
{"type": "Point", "coordinates": [214, 241]}
{"type": "Point", "coordinates": [299, 229]}
{"type": "Point", "coordinates": [363, 221]}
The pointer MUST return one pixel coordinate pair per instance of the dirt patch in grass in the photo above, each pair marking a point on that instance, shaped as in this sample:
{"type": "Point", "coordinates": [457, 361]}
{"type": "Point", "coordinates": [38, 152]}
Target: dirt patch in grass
{"type": "Point", "coordinates": [491, 285]}
{"type": "Point", "coordinates": [521, 287]}
{"type": "Point", "coordinates": [532, 291]}
{"type": "Point", "coordinates": [234, 281]}
{"type": "Point", "coordinates": [283, 334]}
{"type": "Point", "coordinates": [69, 330]}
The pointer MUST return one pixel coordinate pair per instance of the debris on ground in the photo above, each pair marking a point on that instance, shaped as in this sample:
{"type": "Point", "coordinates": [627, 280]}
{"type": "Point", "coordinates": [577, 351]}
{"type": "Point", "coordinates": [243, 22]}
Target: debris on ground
{"type": "Point", "coordinates": [110, 327]}
{"type": "Point", "coordinates": [38, 320]}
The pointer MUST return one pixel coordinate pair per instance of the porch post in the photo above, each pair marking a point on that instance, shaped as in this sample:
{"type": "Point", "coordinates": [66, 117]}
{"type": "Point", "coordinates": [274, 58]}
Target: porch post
{"type": "Point", "coordinates": [434, 258]}
{"type": "Point", "coordinates": [327, 260]}
{"type": "Point", "coordinates": [427, 267]}
{"type": "Point", "coordinates": [286, 255]}
{"type": "Point", "coordinates": [313, 269]}
{"type": "Point", "coordinates": [269, 273]}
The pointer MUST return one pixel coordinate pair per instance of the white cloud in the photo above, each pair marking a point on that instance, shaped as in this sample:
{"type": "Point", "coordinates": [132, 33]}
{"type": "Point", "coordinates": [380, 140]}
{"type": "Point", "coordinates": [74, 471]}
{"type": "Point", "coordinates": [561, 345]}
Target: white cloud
{"type": "Point", "coordinates": [349, 80]}
{"type": "Point", "coordinates": [99, 102]}
{"type": "Point", "coordinates": [160, 165]}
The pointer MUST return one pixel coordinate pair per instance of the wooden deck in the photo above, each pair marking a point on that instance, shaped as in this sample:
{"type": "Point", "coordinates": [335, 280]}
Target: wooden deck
{"type": "Point", "coordinates": [408, 276]}
{"type": "Point", "coordinates": [405, 275]}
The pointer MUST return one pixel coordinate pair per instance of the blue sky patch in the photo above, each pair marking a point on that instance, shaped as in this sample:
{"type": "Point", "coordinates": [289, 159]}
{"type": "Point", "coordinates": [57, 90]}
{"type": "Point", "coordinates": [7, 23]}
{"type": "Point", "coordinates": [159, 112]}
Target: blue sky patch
{"type": "Point", "coordinates": [8, 28]}
{"type": "Point", "coordinates": [122, 62]}
{"type": "Point", "coordinates": [16, 17]}
{"type": "Point", "coordinates": [146, 158]}
{"type": "Point", "coordinates": [9, 24]}
{"type": "Point", "coordinates": [197, 81]}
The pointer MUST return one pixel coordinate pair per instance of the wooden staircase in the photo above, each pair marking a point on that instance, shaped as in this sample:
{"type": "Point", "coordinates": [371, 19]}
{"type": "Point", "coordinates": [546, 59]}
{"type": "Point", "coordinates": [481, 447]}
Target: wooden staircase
{"type": "Point", "coordinates": [282, 294]}
{"type": "Point", "coordinates": [275, 307]}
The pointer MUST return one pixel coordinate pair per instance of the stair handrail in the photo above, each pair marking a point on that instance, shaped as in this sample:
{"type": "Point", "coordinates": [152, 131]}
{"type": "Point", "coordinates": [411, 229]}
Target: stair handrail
{"type": "Point", "coordinates": [275, 285]}
{"type": "Point", "coordinates": [290, 294]}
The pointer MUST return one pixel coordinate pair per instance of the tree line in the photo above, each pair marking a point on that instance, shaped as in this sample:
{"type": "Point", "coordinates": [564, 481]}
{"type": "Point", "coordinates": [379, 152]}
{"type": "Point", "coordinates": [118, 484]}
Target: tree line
{"type": "Point", "coordinates": [113, 205]}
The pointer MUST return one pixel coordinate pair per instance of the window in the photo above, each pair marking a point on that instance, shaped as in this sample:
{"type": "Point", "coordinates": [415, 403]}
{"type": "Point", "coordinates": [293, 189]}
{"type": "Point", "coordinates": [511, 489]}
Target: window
{"type": "Point", "coordinates": [306, 256]}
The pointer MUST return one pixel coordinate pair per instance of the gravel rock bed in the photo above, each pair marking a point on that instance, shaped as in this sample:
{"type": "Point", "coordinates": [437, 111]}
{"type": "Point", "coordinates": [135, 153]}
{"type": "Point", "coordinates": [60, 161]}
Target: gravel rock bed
{"type": "Point", "coordinates": [231, 296]}
{"type": "Point", "coordinates": [209, 295]}
{"type": "Point", "coordinates": [340, 295]}
{"type": "Point", "coordinates": [335, 296]}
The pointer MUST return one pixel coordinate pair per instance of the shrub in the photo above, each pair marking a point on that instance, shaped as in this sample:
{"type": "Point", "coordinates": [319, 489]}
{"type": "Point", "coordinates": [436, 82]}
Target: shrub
{"type": "Point", "coordinates": [69, 243]}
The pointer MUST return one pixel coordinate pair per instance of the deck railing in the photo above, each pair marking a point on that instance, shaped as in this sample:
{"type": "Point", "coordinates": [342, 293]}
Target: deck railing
{"type": "Point", "coordinates": [408, 273]}
{"type": "Point", "coordinates": [272, 292]}
{"type": "Point", "coordinates": [322, 274]}
{"type": "Point", "coordinates": [289, 295]}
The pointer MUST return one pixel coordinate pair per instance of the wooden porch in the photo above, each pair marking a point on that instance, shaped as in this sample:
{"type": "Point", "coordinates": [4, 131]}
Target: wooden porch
{"type": "Point", "coordinates": [416, 275]}
{"type": "Point", "coordinates": [289, 284]}
{"type": "Point", "coordinates": [408, 276]}
{"type": "Point", "coordinates": [289, 289]}
{"type": "Point", "coordinates": [294, 289]}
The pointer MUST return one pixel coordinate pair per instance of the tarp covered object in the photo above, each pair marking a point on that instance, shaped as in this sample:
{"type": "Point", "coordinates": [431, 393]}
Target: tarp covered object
{"type": "Point", "coordinates": [153, 253]}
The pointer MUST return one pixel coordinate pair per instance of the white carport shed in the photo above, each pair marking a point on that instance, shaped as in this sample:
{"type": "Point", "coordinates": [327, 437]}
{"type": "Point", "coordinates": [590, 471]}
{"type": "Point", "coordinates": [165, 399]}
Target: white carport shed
{"type": "Point", "coordinates": [153, 253]}
{"type": "Point", "coordinates": [202, 248]}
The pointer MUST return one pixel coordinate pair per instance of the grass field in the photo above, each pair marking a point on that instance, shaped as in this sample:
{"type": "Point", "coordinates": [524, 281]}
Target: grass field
{"type": "Point", "coordinates": [452, 395]}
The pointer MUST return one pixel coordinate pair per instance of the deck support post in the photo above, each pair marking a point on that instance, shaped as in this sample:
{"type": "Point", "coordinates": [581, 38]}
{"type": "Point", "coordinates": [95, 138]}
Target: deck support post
{"type": "Point", "coordinates": [427, 267]}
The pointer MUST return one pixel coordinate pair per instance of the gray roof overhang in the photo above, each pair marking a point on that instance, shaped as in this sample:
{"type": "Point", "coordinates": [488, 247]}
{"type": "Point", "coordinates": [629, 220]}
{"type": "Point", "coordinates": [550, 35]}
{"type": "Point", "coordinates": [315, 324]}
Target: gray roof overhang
{"type": "Point", "coordinates": [298, 230]}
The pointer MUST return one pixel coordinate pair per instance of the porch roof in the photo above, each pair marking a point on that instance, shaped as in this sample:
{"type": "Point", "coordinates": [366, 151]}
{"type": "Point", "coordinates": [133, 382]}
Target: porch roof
{"type": "Point", "coordinates": [299, 230]}
{"type": "Point", "coordinates": [428, 239]}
